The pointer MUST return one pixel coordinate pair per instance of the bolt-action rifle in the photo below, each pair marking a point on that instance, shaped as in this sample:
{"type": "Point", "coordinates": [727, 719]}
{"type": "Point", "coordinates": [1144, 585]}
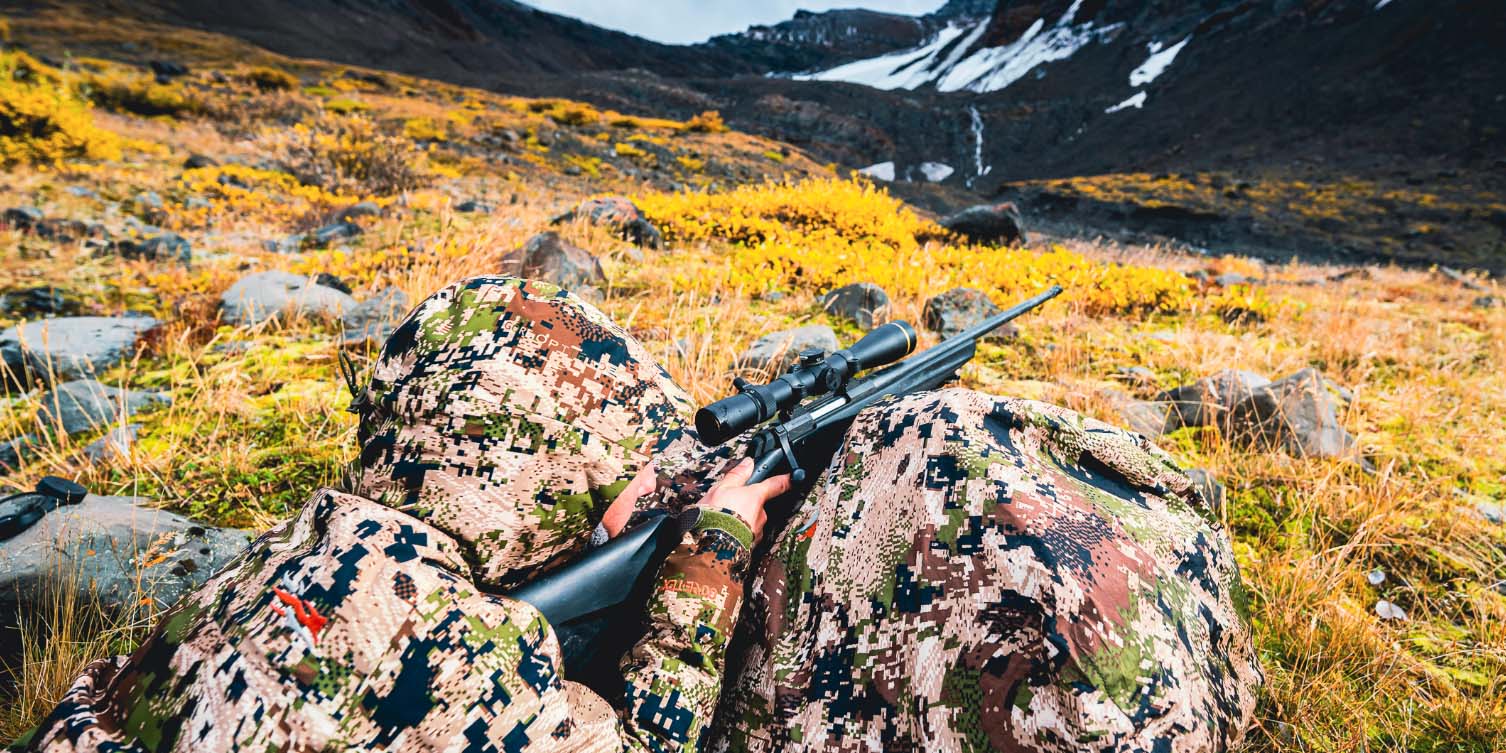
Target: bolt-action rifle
{"type": "Point", "coordinates": [802, 414]}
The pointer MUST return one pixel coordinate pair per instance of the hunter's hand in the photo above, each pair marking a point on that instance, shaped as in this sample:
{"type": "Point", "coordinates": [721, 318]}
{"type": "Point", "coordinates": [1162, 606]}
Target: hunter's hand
{"type": "Point", "coordinates": [728, 492]}
{"type": "Point", "coordinates": [747, 502]}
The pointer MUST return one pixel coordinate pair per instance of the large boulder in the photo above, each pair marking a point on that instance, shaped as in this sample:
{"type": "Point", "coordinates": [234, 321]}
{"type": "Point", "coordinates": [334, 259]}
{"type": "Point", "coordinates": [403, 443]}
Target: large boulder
{"type": "Point", "coordinates": [620, 214]}
{"type": "Point", "coordinates": [1296, 414]}
{"type": "Point", "coordinates": [73, 347]}
{"type": "Point", "coordinates": [863, 302]}
{"type": "Point", "coordinates": [781, 349]}
{"type": "Point", "coordinates": [549, 257]}
{"type": "Point", "coordinates": [112, 551]}
{"type": "Point", "coordinates": [268, 295]}
{"type": "Point", "coordinates": [372, 321]}
{"type": "Point", "coordinates": [84, 404]}
{"type": "Point", "coordinates": [988, 223]}
{"type": "Point", "coordinates": [960, 308]}
{"type": "Point", "coordinates": [1208, 401]}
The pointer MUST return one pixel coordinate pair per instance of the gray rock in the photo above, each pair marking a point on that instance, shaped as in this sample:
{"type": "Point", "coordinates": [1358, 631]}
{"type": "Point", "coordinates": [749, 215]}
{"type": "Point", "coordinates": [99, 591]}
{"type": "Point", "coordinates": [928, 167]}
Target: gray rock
{"type": "Point", "coordinates": [988, 223]}
{"type": "Point", "coordinates": [198, 202]}
{"type": "Point", "coordinates": [71, 347]}
{"type": "Point", "coordinates": [1208, 400]}
{"type": "Point", "coordinates": [1209, 487]}
{"type": "Point", "coordinates": [16, 451]}
{"type": "Point", "coordinates": [85, 404]}
{"type": "Point", "coordinates": [291, 244]}
{"type": "Point", "coordinates": [1137, 375]}
{"type": "Point", "coordinates": [960, 308]}
{"type": "Point", "coordinates": [164, 246]}
{"type": "Point", "coordinates": [474, 206]}
{"type": "Point", "coordinates": [863, 302]}
{"type": "Point", "coordinates": [269, 295]}
{"type": "Point", "coordinates": [549, 257]}
{"type": "Point", "coordinates": [1489, 302]}
{"type": "Point", "coordinates": [196, 161]}
{"type": "Point", "coordinates": [148, 200]}
{"type": "Point", "coordinates": [781, 349]}
{"type": "Point", "coordinates": [113, 550]}
{"type": "Point", "coordinates": [1144, 417]}
{"type": "Point", "coordinates": [619, 213]}
{"type": "Point", "coordinates": [1230, 279]}
{"type": "Point", "coordinates": [1465, 280]}
{"type": "Point", "coordinates": [1491, 512]}
{"type": "Point", "coordinates": [773, 296]}
{"type": "Point", "coordinates": [82, 192]}
{"type": "Point", "coordinates": [373, 319]}
{"type": "Point", "coordinates": [358, 210]}
{"type": "Point", "coordinates": [137, 227]}
{"type": "Point", "coordinates": [338, 231]}
{"type": "Point", "coordinates": [1296, 414]}
{"type": "Point", "coordinates": [21, 218]}
{"type": "Point", "coordinates": [116, 443]}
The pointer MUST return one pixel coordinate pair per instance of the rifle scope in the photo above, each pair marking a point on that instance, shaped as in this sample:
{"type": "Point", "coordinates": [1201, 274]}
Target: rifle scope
{"type": "Point", "coordinates": [815, 374]}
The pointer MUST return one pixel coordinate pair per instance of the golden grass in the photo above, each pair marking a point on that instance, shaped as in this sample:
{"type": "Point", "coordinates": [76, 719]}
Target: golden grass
{"type": "Point", "coordinates": [251, 432]}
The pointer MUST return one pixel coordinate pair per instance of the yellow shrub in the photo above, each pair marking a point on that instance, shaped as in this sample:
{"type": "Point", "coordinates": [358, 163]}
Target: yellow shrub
{"type": "Point", "coordinates": [346, 105]}
{"type": "Point", "coordinates": [709, 121]}
{"type": "Point", "coordinates": [43, 120]}
{"type": "Point", "coordinates": [573, 114]}
{"type": "Point", "coordinates": [821, 234]}
{"type": "Point", "coordinates": [425, 129]}
{"type": "Point", "coordinates": [632, 152]}
{"type": "Point", "coordinates": [267, 78]}
{"type": "Point", "coordinates": [139, 95]}
{"type": "Point", "coordinates": [264, 194]}
{"type": "Point", "coordinates": [350, 155]}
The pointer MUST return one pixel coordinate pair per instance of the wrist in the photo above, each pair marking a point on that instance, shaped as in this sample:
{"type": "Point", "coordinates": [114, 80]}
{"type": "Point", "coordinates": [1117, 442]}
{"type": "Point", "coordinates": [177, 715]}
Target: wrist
{"type": "Point", "coordinates": [723, 521]}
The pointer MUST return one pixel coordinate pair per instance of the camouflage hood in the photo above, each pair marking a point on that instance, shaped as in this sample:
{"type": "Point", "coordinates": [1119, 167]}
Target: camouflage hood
{"type": "Point", "coordinates": [503, 412]}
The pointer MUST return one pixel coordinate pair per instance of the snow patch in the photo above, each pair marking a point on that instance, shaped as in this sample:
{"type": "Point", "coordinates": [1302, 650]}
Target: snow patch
{"type": "Point", "coordinates": [1157, 63]}
{"type": "Point", "coordinates": [882, 171]}
{"type": "Point", "coordinates": [949, 62]}
{"type": "Point", "coordinates": [897, 70]}
{"type": "Point", "coordinates": [1137, 102]}
{"type": "Point", "coordinates": [1382, 4]}
{"type": "Point", "coordinates": [936, 172]}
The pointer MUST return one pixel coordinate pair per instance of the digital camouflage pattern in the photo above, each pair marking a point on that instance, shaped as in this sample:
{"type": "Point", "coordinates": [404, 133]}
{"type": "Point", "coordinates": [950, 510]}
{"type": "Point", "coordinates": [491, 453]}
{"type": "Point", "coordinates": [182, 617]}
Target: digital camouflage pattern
{"type": "Point", "coordinates": [509, 414]}
{"type": "Point", "coordinates": [502, 418]}
{"type": "Point", "coordinates": [971, 573]}
{"type": "Point", "coordinates": [355, 626]}
{"type": "Point", "coordinates": [975, 573]}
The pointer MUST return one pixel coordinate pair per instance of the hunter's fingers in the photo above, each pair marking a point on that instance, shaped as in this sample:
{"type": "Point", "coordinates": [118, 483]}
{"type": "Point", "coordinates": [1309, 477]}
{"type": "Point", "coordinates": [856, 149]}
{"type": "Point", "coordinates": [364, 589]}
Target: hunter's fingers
{"type": "Point", "coordinates": [737, 476]}
{"type": "Point", "coordinates": [771, 487]}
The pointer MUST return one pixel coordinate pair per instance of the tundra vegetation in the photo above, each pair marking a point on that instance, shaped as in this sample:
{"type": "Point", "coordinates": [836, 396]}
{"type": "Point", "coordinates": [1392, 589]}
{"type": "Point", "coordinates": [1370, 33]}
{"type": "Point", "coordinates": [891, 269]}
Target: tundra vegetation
{"type": "Point", "coordinates": [257, 415]}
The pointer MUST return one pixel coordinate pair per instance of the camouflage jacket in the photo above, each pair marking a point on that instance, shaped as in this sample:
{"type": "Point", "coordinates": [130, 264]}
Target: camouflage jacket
{"type": "Point", "coordinates": [356, 626]}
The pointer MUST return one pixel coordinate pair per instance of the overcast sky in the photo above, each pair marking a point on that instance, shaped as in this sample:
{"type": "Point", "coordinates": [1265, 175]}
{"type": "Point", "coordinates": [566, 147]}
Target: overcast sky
{"type": "Point", "coordinates": [683, 21]}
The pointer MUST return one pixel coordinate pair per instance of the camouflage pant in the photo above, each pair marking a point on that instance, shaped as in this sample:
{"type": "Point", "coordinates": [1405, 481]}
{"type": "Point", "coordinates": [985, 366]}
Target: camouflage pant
{"type": "Point", "coordinates": [970, 573]}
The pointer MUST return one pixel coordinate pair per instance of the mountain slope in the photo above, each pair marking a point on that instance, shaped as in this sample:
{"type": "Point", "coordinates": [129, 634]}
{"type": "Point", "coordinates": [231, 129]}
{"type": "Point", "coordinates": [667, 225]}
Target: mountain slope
{"type": "Point", "coordinates": [1291, 100]}
{"type": "Point", "coordinates": [472, 42]}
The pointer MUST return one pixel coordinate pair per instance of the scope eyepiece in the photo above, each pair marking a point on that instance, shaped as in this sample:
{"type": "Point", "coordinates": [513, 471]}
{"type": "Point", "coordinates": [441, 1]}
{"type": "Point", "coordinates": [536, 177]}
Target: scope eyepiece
{"type": "Point", "coordinates": [812, 375]}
